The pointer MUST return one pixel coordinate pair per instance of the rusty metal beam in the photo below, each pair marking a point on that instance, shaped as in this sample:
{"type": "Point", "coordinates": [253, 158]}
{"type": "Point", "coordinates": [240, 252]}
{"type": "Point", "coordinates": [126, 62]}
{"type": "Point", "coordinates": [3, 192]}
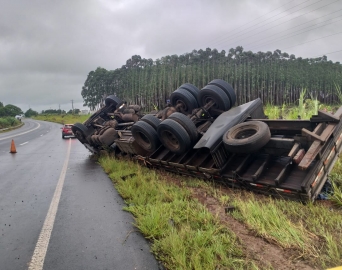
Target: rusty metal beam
{"type": "Point", "coordinates": [244, 164]}
{"type": "Point", "coordinates": [310, 155]}
{"type": "Point", "coordinates": [282, 175]}
{"type": "Point", "coordinates": [323, 116]}
{"type": "Point", "coordinates": [294, 150]}
{"type": "Point", "coordinates": [262, 168]}
{"type": "Point", "coordinates": [317, 145]}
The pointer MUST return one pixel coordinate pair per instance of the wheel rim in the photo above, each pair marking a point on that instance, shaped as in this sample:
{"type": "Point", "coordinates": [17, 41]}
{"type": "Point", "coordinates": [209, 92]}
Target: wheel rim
{"type": "Point", "coordinates": [207, 99]}
{"type": "Point", "coordinates": [245, 133]}
{"type": "Point", "coordinates": [183, 105]}
{"type": "Point", "coordinates": [145, 142]}
{"type": "Point", "coordinates": [170, 140]}
{"type": "Point", "coordinates": [79, 135]}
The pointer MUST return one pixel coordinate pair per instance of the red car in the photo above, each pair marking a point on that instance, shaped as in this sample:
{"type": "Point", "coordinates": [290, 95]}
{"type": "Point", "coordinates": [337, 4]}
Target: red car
{"type": "Point", "coordinates": [66, 130]}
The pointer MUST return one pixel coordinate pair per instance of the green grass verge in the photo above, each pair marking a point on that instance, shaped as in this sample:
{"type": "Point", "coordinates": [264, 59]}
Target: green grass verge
{"type": "Point", "coordinates": [304, 110]}
{"type": "Point", "coordinates": [183, 234]}
{"type": "Point", "coordinates": [265, 218]}
{"type": "Point", "coordinates": [62, 119]}
{"type": "Point", "coordinates": [313, 230]}
{"type": "Point", "coordinates": [336, 179]}
{"type": "Point", "coordinates": [8, 121]}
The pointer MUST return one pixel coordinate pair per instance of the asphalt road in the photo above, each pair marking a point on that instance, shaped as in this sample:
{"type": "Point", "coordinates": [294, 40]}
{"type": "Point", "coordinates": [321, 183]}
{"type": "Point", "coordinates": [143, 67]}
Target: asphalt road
{"type": "Point", "coordinates": [59, 210]}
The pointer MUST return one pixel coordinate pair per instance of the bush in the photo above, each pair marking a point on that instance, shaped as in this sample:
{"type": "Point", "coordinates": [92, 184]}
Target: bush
{"type": "Point", "coordinates": [8, 121]}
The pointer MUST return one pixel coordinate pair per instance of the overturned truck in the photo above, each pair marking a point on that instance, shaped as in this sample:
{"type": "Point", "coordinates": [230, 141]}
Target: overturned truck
{"type": "Point", "coordinates": [201, 134]}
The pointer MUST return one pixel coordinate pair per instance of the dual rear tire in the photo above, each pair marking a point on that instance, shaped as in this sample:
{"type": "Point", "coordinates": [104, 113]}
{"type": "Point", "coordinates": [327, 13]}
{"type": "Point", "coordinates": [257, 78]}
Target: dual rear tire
{"type": "Point", "coordinates": [219, 92]}
{"type": "Point", "coordinates": [146, 136]}
{"type": "Point", "coordinates": [177, 133]}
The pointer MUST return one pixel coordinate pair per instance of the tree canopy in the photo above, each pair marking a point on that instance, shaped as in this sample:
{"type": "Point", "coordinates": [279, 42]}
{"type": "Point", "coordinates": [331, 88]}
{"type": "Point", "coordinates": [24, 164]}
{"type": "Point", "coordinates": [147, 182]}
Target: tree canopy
{"type": "Point", "coordinates": [30, 113]}
{"type": "Point", "coordinates": [74, 111]}
{"type": "Point", "coordinates": [53, 111]}
{"type": "Point", "coordinates": [9, 110]}
{"type": "Point", "coordinates": [276, 77]}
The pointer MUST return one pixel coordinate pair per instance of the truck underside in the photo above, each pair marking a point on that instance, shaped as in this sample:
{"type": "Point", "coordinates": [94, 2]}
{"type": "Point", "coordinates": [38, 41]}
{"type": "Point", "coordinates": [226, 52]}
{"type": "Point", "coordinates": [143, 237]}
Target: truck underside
{"type": "Point", "coordinates": [294, 162]}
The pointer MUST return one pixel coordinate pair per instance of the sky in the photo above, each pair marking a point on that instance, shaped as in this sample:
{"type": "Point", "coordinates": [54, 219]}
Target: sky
{"type": "Point", "coordinates": [47, 48]}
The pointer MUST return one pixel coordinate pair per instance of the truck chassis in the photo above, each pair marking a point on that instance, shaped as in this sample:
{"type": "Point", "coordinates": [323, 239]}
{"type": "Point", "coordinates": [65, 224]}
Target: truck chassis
{"type": "Point", "coordinates": [294, 162]}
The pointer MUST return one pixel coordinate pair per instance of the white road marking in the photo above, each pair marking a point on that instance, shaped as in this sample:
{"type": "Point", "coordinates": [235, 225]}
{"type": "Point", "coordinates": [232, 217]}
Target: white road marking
{"type": "Point", "coordinates": [39, 253]}
{"type": "Point", "coordinates": [4, 138]}
{"type": "Point", "coordinates": [42, 135]}
{"type": "Point", "coordinates": [23, 143]}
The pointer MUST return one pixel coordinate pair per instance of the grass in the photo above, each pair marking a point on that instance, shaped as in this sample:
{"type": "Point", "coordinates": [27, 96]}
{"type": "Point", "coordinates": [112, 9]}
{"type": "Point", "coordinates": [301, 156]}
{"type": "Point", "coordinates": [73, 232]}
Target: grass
{"type": "Point", "coordinates": [338, 92]}
{"type": "Point", "coordinates": [324, 229]}
{"type": "Point", "coordinates": [336, 179]}
{"type": "Point", "coordinates": [312, 232]}
{"type": "Point", "coordinates": [183, 233]}
{"type": "Point", "coordinates": [6, 122]}
{"type": "Point", "coordinates": [266, 219]}
{"type": "Point", "coordinates": [62, 119]}
{"type": "Point", "coordinates": [305, 109]}
{"type": "Point", "coordinates": [301, 104]}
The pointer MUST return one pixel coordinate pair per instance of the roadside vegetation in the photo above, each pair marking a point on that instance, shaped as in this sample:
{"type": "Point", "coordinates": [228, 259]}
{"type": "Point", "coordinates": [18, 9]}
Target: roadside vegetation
{"type": "Point", "coordinates": [336, 180]}
{"type": "Point", "coordinates": [7, 115]}
{"type": "Point", "coordinates": [311, 231]}
{"type": "Point", "coordinates": [8, 121]}
{"type": "Point", "coordinates": [306, 108]}
{"type": "Point", "coordinates": [184, 234]}
{"type": "Point", "coordinates": [62, 118]}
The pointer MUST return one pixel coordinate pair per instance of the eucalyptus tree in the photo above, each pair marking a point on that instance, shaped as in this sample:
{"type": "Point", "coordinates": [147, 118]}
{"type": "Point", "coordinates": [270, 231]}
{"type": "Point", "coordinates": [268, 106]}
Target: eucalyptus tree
{"type": "Point", "coordinates": [276, 77]}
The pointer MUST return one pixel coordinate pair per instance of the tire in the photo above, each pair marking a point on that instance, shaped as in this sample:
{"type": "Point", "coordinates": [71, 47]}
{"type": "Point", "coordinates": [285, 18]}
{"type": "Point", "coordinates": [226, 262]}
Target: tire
{"type": "Point", "coordinates": [152, 120]}
{"type": "Point", "coordinates": [94, 139]}
{"type": "Point", "coordinates": [187, 124]}
{"type": "Point", "coordinates": [128, 111]}
{"type": "Point", "coordinates": [173, 136]}
{"type": "Point", "coordinates": [185, 99]}
{"type": "Point", "coordinates": [247, 137]}
{"type": "Point", "coordinates": [112, 100]}
{"type": "Point", "coordinates": [100, 131]}
{"type": "Point", "coordinates": [81, 132]}
{"type": "Point", "coordinates": [62, 136]}
{"type": "Point", "coordinates": [216, 94]}
{"type": "Point", "coordinates": [227, 88]}
{"type": "Point", "coordinates": [191, 89]}
{"type": "Point", "coordinates": [146, 136]}
{"type": "Point", "coordinates": [108, 137]}
{"type": "Point", "coordinates": [97, 140]}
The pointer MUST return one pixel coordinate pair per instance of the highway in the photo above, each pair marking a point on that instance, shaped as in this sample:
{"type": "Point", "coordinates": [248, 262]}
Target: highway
{"type": "Point", "coordinates": [59, 210]}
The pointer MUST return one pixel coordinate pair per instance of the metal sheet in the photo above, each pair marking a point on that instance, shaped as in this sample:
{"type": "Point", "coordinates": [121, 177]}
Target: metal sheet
{"type": "Point", "coordinates": [225, 121]}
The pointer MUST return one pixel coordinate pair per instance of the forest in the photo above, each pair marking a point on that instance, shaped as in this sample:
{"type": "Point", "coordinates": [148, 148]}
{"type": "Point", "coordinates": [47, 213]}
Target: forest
{"type": "Point", "coordinates": [276, 77]}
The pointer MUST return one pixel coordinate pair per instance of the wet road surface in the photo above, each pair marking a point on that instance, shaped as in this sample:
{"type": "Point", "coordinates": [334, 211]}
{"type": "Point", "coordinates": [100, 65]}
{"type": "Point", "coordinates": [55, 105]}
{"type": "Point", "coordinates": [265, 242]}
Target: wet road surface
{"type": "Point", "coordinates": [59, 210]}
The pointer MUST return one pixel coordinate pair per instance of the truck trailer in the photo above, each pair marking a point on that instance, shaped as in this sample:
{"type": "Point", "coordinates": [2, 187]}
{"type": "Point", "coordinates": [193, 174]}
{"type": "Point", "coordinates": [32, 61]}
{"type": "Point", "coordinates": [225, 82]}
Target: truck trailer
{"type": "Point", "coordinates": [201, 133]}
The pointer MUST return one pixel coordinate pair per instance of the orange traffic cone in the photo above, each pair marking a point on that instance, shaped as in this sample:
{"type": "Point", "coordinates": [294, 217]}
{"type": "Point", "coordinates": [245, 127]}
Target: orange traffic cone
{"type": "Point", "coordinates": [13, 150]}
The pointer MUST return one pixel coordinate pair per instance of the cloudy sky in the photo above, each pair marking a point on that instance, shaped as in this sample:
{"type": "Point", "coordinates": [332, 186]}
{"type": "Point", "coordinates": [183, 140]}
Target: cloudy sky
{"type": "Point", "coordinates": [47, 48]}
